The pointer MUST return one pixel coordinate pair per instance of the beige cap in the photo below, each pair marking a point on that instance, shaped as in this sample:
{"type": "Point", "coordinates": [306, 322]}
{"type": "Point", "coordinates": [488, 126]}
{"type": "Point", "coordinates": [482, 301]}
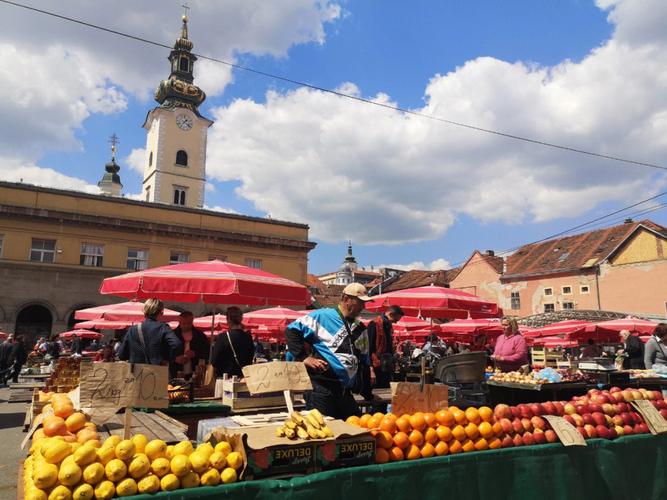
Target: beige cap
{"type": "Point", "coordinates": [357, 290]}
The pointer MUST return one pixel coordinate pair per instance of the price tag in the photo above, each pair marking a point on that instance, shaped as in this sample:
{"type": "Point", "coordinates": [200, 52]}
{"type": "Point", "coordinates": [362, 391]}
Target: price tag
{"type": "Point", "coordinates": [277, 376]}
{"type": "Point", "coordinates": [107, 387]}
{"type": "Point", "coordinates": [565, 431]}
{"type": "Point", "coordinates": [408, 398]}
{"type": "Point", "coordinates": [656, 424]}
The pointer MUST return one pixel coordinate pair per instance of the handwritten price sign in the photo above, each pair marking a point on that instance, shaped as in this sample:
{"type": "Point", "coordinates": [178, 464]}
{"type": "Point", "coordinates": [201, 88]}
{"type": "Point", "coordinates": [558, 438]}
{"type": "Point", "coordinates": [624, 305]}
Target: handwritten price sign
{"type": "Point", "coordinates": [565, 431]}
{"type": "Point", "coordinates": [656, 424]}
{"type": "Point", "coordinates": [276, 376]}
{"type": "Point", "coordinates": [108, 387]}
{"type": "Point", "coordinates": [409, 398]}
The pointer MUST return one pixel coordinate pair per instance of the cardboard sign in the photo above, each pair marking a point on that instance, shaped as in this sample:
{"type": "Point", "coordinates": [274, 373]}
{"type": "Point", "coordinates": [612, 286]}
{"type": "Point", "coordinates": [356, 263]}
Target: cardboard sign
{"type": "Point", "coordinates": [107, 387]}
{"type": "Point", "coordinates": [565, 431]}
{"type": "Point", "coordinates": [656, 423]}
{"type": "Point", "coordinates": [276, 376]}
{"type": "Point", "coordinates": [408, 398]}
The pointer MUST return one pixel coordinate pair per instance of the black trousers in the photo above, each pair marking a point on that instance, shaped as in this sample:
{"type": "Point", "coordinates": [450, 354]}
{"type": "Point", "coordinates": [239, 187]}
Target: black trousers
{"type": "Point", "coordinates": [332, 400]}
{"type": "Point", "coordinates": [382, 379]}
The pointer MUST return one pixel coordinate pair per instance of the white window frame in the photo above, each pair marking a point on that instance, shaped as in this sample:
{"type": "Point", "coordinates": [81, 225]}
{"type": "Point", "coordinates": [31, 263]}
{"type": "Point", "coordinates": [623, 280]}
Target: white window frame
{"type": "Point", "coordinates": [137, 259]}
{"type": "Point", "coordinates": [178, 259]}
{"type": "Point", "coordinates": [568, 308]}
{"type": "Point", "coordinates": [251, 262]}
{"type": "Point", "coordinates": [96, 259]}
{"type": "Point", "coordinates": [550, 304]}
{"type": "Point", "coordinates": [563, 289]}
{"type": "Point", "coordinates": [551, 291]}
{"type": "Point", "coordinates": [43, 251]}
{"type": "Point", "coordinates": [581, 289]}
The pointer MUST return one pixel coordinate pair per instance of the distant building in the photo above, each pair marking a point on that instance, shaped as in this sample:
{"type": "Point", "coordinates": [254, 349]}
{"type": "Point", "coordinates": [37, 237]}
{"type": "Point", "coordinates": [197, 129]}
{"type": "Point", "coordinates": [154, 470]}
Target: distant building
{"type": "Point", "coordinates": [349, 272]}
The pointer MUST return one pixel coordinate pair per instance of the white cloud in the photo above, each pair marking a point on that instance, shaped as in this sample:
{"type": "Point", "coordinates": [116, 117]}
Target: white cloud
{"type": "Point", "coordinates": [16, 171]}
{"type": "Point", "coordinates": [210, 187]}
{"type": "Point", "coordinates": [352, 170]}
{"type": "Point", "coordinates": [218, 208]}
{"type": "Point", "coordinates": [136, 160]}
{"type": "Point", "coordinates": [436, 265]}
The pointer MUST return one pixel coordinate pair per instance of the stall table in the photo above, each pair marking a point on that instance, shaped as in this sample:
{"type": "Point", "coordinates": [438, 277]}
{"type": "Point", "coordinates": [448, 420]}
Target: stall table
{"type": "Point", "coordinates": [190, 414]}
{"type": "Point", "coordinates": [513, 393]}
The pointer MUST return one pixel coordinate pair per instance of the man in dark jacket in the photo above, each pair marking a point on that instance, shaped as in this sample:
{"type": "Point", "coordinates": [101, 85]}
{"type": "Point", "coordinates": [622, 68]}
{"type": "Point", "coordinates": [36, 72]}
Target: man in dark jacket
{"type": "Point", "coordinates": [196, 347]}
{"type": "Point", "coordinates": [5, 351]}
{"type": "Point", "coordinates": [152, 342]}
{"type": "Point", "coordinates": [233, 349]}
{"type": "Point", "coordinates": [381, 347]}
{"type": "Point", "coordinates": [76, 344]}
{"type": "Point", "coordinates": [18, 356]}
{"type": "Point", "coordinates": [633, 348]}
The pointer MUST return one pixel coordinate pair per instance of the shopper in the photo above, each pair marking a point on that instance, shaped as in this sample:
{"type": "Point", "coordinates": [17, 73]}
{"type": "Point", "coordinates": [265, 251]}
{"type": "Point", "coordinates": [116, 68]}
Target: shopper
{"type": "Point", "coordinates": [339, 344]}
{"type": "Point", "coordinates": [196, 347]}
{"type": "Point", "coordinates": [151, 342]}
{"type": "Point", "coordinates": [17, 357]}
{"type": "Point", "coordinates": [633, 349]}
{"type": "Point", "coordinates": [75, 346]}
{"type": "Point", "coordinates": [381, 346]}
{"type": "Point", "coordinates": [592, 350]}
{"type": "Point", "coordinates": [511, 352]}
{"type": "Point", "coordinates": [233, 349]}
{"type": "Point", "coordinates": [5, 351]}
{"type": "Point", "coordinates": [656, 348]}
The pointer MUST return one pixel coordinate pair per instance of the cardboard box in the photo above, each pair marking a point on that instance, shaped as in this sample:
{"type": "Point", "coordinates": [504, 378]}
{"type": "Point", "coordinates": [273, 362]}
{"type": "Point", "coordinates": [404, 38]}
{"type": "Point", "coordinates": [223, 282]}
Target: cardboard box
{"type": "Point", "coordinates": [345, 452]}
{"type": "Point", "coordinates": [237, 397]}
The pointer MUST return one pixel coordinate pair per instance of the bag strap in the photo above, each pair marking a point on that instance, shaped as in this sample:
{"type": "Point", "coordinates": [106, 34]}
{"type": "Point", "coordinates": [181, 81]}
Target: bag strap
{"type": "Point", "coordinates": [229, 339]}
{"type": "Point", "coordinates": [142, 341]}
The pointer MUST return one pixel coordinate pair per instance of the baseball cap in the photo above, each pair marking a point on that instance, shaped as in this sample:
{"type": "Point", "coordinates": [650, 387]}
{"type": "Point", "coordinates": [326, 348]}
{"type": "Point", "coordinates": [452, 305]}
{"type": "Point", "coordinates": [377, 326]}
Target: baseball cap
{"type": "Point", "coordinates": [357, 290]}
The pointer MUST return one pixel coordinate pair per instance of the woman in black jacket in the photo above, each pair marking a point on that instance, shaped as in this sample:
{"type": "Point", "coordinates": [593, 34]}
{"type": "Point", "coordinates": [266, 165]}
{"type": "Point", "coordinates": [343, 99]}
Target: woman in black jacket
{"type": "Point", "coordinates": [196, 347]}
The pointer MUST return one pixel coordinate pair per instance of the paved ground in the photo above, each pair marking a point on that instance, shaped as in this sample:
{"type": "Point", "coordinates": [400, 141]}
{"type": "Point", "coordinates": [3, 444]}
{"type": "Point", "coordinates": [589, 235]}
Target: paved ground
{"type": "Point", "coordinates": [11, 435]}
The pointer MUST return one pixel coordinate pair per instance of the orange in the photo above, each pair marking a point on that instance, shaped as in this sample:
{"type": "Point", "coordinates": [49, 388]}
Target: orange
{"type": "Point", "coordinates": [472, 414]}
{"type": "Point", "coordinates": [486, 414]}
{"type": "Point", "coordinates": [455, 447]}
{"type": "Point", "coordinates": [459, 433]}
{"type": "Point", "coordinates": [445, 417]}
{"type": "Point", "coordinates": [413, 452]}
{"type": "Point", "coordinates": [374, 422]}
{"type": "Point", "coordinates": [441, 448]}
{"type": "Point", "coordinates": [431, 436]}
{"type": "Point", "coordinates": [472, 431]}
{"type": "Point", "coordinates": [401, 440]}
{"type": "Point", "coordinates": [497, 429]}
{"type": "Point", "coordinates": [444, 433]}
{"type": "Point", "coordinates": [403, 424]}
{"type": "Point", "coordinates": [494, 444]}
{"type": "Point", "coordinates": [363, 421]}
{"type": "Point", "coordinates": [416, 438]}
{"type": "Point", "coordinates": [75, 421]}
{"type": "Point", "coordinates": [427, 450]}
{"type": "Point", "coordinates": [396, 454]}
{"type": "Point", "coordinates": [486, 430]}
{"type": "Point", "coordinates": [481, 444]}
{"type": "Point", "coordinates": [384, 440]}
{"type": "Point", "coordinates": [391, 416]}
{"type": "Point", "coordinates": [430, 420]}
{"type": "Point", "coordinates": [54, 426]}
{"type": "Point", "coordinates": [459, 417]}
{"type": "Point", "coordinates": [417, 422]}
{"type": "Point", "coordinates": [353, 420]}
{"type": "Point", "coordinates": [381, 456]}
{"type": "Point", "coordinates": [468, 445]}
{"type": "Point", "coordinates": [387, 424]}
{"type": "Point", "coordinates": [379, 415]}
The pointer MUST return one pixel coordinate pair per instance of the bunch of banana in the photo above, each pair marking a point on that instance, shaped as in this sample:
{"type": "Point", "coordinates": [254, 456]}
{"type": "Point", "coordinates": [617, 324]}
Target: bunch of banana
{"type": "Point", "coordinates": [309, 426]}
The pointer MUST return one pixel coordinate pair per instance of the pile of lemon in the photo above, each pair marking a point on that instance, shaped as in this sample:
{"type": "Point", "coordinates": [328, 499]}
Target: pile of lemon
{"type": "Point", "coordinates": [58, 470]}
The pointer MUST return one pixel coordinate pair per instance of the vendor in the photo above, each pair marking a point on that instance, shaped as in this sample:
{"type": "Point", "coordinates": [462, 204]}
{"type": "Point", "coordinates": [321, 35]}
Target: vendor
{"type": "Point", "coordinates": [511, 352]}
{"type": "Point", "coordinates": [195, 347]}
{"type": "Point", "coordinates": [233, 349]}
{"type": "Point", "coordinates": [339, 344]}
{"type": "Point", "coordinates": [656, 348]}
{"type": "Point", "coordinates": [381, 346]}
{"type": "Point", "coordinates": [633, 350]}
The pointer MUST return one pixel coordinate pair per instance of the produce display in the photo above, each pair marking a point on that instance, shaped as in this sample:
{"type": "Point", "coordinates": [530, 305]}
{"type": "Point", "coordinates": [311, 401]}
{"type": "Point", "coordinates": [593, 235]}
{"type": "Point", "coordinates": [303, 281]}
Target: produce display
{"type": "Point", "coordinates": [644, 374]}
{"type": "Point", "coordinates": [518, 378]}
{"type": "Point", "coordinates": [599, 414]}
{"type": "Point", "coordinates": [65, 376]}
{"type": "Point", "coordinates": [544, 376]}
{"type": "Point", "coordinates": [309, 426]}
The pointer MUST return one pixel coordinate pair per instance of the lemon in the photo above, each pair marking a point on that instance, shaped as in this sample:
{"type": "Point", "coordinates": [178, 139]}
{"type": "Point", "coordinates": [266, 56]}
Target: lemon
{"type": "Point", "coordinates": [115, 470]}
{"type": "Point", "coordinates": [169, 453]}
{"type": "Point", "coordinates": [217, 460]}
{"type": "Point", "coordinates": [75, 446]}
{"type": "Point", "coordinates": [235, 460]}
{"type": "Point", "coordinates": [140, 441]}
{"type": "Point", "coordinates": [183, 448]}
{"type": "Point", "coordinates": [83, 492]}
{"type": "Point", "coordinates": [105, 490]}
{"type": "Point", "coordinates": [125, 449]}
{"type": "Point", "coordinates": [199, 461]}
{"type": "Point", "coordinates": [155, 449]}
{"type": "Point", "coordinates": [170, 482]}
{"type": "Point", "coordinates": [68, 460]}
{"type": "Point", "coordinates": [210, 478]}
{"type": "Point", "coordinates": [126, 488]}
{"type": "Point", "coordinates": [223, 447]}
{"type": "Point", "coordinates": [34, 494]}
{"type": "Point", "coordinates": [228, 475]}
{"type": "Point", "coordinates": [190, 480]}
{"type": "Point", "coordinates": [69, 474]}
{"type": "Point", "coordinates": [93, 473]}
{"type": "Point", "coordinates": [112, 441]}
{"type": "Point", "coordinates": [105, 454]}
{"type": "Point", "coordinates": [55, 451]}
{"type": "Point", "coordinates": [160, 467]}
{"type": "Point", "coordinates": [45, 475]}
{"type": "Point", "coordinates": [205, 448]}
{"type": "Point", "coordinates": [180, 465]}
{"type": "Point", "coordinates": [60, 493]}
{"type": "Point", "coordinates": [149, 484]}
{"type": "Point", "coordinates": [85, 455]}
{"type": "Point", "coordinates": [139, 466]}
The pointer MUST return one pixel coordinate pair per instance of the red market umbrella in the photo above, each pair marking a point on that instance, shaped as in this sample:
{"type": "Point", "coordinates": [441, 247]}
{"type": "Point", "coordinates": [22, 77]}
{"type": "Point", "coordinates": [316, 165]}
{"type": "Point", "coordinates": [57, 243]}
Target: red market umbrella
{"type": "Point", "coordinates": [562, 327]}
{"type": "Point", "coordinates": [553, 342]}
{"type": "Point", "coordinates": [218, 322]}
{"type": "Point", "coordinates": [103, 324]}
{"type": "Point", "coordinates": [412, 323]}
{"type": "Point", "coordinates": [82, 334]}
{"type": "Point", "coordinates": [276, 317]}
{"type": "Point", "coordinates": [614, 326]}
{"type": "Point", "coordinates": [128, 312]}
{"type": "Point", "coordinates": [211, 282]}
{"type": "Point", "coordinates": [435, 302]}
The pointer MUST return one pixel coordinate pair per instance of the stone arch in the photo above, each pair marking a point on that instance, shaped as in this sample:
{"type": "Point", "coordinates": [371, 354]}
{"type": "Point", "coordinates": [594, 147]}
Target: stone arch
{"type": "Point", "coordinates": [34, 319]}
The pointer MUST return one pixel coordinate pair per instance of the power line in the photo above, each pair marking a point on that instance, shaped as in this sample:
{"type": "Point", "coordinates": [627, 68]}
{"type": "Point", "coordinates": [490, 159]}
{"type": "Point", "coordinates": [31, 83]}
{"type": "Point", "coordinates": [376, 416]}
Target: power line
{"type": "Point", "coordinates": [344, 95]}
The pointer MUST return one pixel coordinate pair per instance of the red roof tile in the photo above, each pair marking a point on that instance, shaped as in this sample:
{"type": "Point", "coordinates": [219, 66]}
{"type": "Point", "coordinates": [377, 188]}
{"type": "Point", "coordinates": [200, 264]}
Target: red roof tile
{"type": "Point", "coordinates": [417, 278]}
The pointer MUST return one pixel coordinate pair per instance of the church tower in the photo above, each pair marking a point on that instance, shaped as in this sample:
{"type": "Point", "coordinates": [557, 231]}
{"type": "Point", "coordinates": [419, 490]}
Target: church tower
{"type": "Point", "coordinates": [110, 184]}
{"type": "Point", "coordinates": [175, 168]}
{"type": "Point", "coordinates": [345, 273]}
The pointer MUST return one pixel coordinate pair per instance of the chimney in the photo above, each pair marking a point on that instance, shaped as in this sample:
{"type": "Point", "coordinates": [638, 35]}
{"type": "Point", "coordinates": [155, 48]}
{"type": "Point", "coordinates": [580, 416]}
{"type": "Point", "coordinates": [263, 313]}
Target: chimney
{"type": "Point", "coordinates": [628, 221]}
{"type": "Point", "coordinates": [490, 253]}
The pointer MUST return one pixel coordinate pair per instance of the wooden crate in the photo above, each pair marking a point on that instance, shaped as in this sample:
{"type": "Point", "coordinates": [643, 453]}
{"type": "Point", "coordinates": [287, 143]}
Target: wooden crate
{"type": "Point", "coordinates": [545, 357]}
{"type": "Point", "coordinates": [237, 397]}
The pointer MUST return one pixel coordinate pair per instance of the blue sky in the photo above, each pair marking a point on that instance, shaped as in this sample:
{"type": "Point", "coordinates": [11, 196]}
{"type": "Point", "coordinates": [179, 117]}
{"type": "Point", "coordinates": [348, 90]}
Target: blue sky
{"type": "Point", "coordinates": [399, 49]}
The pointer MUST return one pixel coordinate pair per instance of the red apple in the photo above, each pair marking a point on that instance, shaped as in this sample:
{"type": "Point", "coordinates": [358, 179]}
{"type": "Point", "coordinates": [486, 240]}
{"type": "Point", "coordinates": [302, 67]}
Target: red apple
{"type": "Point", "coordinates": [637, 395]}
{"type": "Point", "coordinates": [627, 418]}
{"type": "Point", "coordinates": [507, 442]}
{"type": "Point", "coordinates": [525, 411]}
{"type": "Point", "coordinates": [588, 419]}
{"type": "Point", "coordinates": [619, 430]}
{"type": "Point", "coordinates": [582, 431]}
{"type": "Point", "coordinates": [515, 412]}
{"type": "Point", "coordinates": [617, 420]}
{"type": "Point", "coordinates": [551, 436]}
{"type": "Point", "coordinates": [623, 407]}
{"type": "Point", "coordinates": [570, 419]}
{"type": "Point", "coordinates": [618, 396]}
{"type": "Point", "coordinates": [636, 417]}
{"type": "Point", "coordinates": [661, 404]}
{"type": "Point", "coordinates": [527, 425]}
{"type": "Point", "coordinates": [506, 425]}
{"type": "Point", "coordinates": [645, 394]}
{"type": "Point", "coordinates": [628, 395]}
{"type": "Point", "coordinates": [528, 439]}
{"type": "Point", "coordinates": [536, 409]}
{"type": "Point", "coordinates": [594, 391]}
{"type": "Point", "coordinates": [518, 440]}
{"type": "Point", "coordinates": [569, 409]}
{"type": "Point", "coordinates": [644, 427]}
{"type": "Point", "coordinates": [608, 409]}
{"type": "Point", "coordinates": [657, 395]}
{"type": "Point", "coordinates": [538, 423]}
{"type": "Point", "coordinates": [582, 409]}
{"type": "Point", "coordinates": [663, 412]}
{"type": "Point", "coordinates": [518, 426]}
{"type": "Point", "coordinates": [502, 411]}
{"type": "Point", "coordinates": [549, 408]}
{"type": "Point", "coordinates": [602, 431]}
{"type": "Point", "coordinates": [599, 419]}
{"type": "Point", "coordinates": [603, 399]}
{"type": "Point", "coordinates": [539, 437]}
{"type": "Point", "coordinates": [641, 429]}
{"type": "Point", "coordinates": [590, 431]}
{"type": "Point", "coordinates": [595, 408]}
{"type": "Point", "coordinates": [615, 389]}
{"type": "Point", "coordinates": [578, 420]}
{"type": "Point", "coordinates": [612, 433]}
{"type": "Point", "coordinates": [628, 430]}
{"type": "Point", "coordinates": [560, 408]}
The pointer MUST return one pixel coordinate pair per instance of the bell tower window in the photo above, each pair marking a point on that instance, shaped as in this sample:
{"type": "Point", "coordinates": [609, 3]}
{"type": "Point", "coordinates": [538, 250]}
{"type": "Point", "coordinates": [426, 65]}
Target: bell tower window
{"type": "Point", "coordinates": [184, 64]}
{"type": "Point", "coordinates": [150, 159]}
{"type": "Point", "coordinates": [181, 158]}
{"type": "Point", "coordinates": [179, 196]}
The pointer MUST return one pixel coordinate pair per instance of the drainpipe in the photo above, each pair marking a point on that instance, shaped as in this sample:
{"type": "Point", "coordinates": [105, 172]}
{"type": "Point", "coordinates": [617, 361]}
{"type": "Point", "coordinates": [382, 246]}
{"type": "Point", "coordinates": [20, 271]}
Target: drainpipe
{"type": "Point", "coordinates": [597, 285]}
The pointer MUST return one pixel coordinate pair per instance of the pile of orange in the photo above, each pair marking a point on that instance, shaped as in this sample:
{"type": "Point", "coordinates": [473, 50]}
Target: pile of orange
{"type": "Point", "coordinates": [424, 435]}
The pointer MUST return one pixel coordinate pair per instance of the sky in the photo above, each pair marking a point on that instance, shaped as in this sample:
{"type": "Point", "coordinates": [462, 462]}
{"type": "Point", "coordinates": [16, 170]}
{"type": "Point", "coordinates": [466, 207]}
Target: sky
{"type": "Point", "coordinates": [407, 190]}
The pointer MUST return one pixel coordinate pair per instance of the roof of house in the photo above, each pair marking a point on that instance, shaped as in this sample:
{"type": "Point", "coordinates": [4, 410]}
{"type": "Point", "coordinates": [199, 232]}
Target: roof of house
{"type": "Point", "coordinates": [323, 295]}
{"type": "Point", "coordinates": [573, 252]}
{"type": "Point", "coordinates": [496, 262]}
{"type": "Point", "coordinates": [415, 278]}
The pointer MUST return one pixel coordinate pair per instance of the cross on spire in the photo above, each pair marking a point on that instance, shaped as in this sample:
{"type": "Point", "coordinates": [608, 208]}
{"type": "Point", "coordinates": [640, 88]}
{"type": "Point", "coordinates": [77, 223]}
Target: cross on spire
{"type": "Point", "coordinates": [186, 8]}
{"type": "Point", "coordinates": [113, 140]}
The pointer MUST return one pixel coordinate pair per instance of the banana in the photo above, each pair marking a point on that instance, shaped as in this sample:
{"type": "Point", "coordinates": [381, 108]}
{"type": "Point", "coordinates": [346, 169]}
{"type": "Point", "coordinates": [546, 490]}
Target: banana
{"type": "Point", "coordinates": [296, 418]}
{"type": "Point", "coordinates": [321, 434]}
{"type": "Point", "coordinates": [312, 421]}
{"type": "Point", "coordinates": [316, 413]}
{"type": "Point", "coordinates": [328, 431]}
{"type": "Point", "coordinates": [302, 433]}
{"type": "Point", "coordinates": [289, 433]}
{"type": "Point", "coordinates": [290, 424]}
{"type": "Point", "coordinates": [280, 432]}
{"type": "Point", "coordinates": [312, 432]}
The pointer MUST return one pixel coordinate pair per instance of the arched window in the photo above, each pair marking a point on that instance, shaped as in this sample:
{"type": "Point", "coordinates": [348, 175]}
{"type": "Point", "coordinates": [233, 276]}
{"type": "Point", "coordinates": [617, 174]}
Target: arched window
{"type": "Point", "coordinates": [150, 159]}
{"type": "Point", "coordinates": [184, 64]}
{"type": "Point", "coordinates": [181, 158]}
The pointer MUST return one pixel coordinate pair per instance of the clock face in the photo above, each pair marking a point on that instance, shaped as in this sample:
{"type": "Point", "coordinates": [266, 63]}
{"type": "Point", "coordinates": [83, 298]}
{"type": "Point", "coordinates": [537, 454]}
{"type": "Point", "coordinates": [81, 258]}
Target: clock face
{"type": "Point", "coordinates": [184, 122]}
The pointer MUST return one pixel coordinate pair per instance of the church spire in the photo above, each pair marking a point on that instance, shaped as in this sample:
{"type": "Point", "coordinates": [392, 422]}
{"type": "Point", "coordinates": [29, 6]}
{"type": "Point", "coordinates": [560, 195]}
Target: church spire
{"type": "Point", "coordinates": [110, 184]}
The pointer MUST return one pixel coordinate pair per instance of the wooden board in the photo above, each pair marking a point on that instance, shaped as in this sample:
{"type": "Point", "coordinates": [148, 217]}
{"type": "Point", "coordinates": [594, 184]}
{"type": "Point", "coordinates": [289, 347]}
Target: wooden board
{"type": "Point", "coordinates": [152, 425]}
